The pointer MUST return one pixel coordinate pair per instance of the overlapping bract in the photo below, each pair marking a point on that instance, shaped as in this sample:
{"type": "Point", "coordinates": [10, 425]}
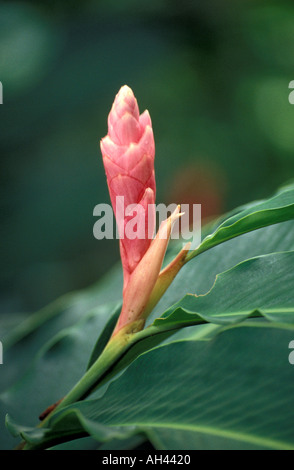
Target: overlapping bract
{"type": "Point", "coordinates": [128, 156]}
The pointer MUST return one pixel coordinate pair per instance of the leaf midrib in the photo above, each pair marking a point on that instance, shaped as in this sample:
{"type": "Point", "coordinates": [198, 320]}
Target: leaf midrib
{"type": "Point", "coordinates": [237, 436]}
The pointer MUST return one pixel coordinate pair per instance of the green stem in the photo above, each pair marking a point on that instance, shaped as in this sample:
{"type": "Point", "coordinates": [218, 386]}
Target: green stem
{"type": "Point", "coordinates": [97, 372]}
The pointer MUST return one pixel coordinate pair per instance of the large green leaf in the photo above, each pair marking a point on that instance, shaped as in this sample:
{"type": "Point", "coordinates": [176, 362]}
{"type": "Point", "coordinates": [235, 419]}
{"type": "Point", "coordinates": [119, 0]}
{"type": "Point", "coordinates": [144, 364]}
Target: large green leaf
{"type": "Point", "coordinates": [198, 275]}
{"type": "Point", "coordinates": [56, 367]}
{"type": "Point", "coordinates": [258, 286]}
{"type": "Point", "coordinates": [251, 285]}
{"type": "Point", "coordinates": [242, 292]}
{"type": "Point", "coordinates": [278, 208]}
{"type": "Point", "coordinates": [233, 392]}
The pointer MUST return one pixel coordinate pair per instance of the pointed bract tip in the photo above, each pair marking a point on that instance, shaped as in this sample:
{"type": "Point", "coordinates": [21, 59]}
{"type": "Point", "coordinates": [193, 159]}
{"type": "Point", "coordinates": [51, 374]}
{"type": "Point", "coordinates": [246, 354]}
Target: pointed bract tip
{"type": "Point", "coordinates": [125, 90]}
{"type": "Point", "coordinates": [126, 94]}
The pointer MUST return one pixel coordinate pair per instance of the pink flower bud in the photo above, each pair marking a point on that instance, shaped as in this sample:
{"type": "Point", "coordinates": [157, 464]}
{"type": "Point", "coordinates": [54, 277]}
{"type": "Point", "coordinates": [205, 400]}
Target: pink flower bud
{"type": "Point", "coordinates": [128, 156]}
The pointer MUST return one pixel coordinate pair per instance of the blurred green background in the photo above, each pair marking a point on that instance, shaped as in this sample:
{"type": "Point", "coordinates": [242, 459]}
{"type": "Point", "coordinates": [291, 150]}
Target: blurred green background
{"type": "Point", "coordinates": [214, 76]}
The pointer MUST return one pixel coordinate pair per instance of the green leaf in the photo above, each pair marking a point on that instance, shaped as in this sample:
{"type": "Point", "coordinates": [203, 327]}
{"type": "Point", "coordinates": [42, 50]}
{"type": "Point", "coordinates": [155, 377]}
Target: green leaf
{"type": "Point", "coordinates": [278, 208]}
{"type": "Point", "coordinates": [58, 365]}
{"type": "Point", "coordinates": [23, 401]}
{"type": "Point", "coordinates": [232, 392]}
{"type": "Point", "coordinates": [243, 291]}
{"type": "Point", "coordinates": [261, 286]}
{"type": "Point", "coordinates": [198, 275]}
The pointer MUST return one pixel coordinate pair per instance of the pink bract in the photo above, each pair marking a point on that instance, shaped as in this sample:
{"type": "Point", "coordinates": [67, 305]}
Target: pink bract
{"type": "Point", "coordinates": [128, 155]}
